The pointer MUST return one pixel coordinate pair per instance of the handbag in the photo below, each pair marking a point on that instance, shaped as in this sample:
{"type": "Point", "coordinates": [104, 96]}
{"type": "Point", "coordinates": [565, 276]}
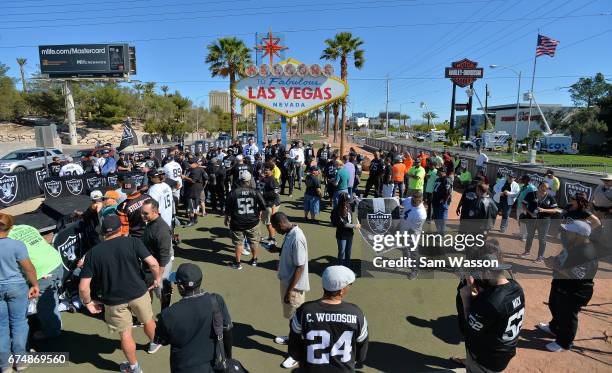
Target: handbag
{"type": "Point", "coordinates": [221, 363]}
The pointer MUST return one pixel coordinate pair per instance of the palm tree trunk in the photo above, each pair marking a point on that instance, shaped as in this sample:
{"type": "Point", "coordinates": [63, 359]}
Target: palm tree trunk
{"type": "Point", "coordinates": [335, 108]}
{"type": "Point", "coordinates": [233, 116]}
{"type": "Point", "coordinates": [23, 82]}
{"type": "Point", "coordinates": [326, 121]}
{"type": "Point", "coordinates": [343, 74]}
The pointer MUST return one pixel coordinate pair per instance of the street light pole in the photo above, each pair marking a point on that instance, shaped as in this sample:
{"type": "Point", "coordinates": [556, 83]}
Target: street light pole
{"type": "Point", "coordinates": [518, 103]}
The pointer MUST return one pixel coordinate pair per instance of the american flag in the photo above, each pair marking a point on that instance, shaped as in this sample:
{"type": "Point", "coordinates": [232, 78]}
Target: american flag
{"type": "Point", "coordinates": [546, 46]}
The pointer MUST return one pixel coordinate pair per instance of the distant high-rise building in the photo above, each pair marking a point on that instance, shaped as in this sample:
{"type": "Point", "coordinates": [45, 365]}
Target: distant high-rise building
{"type": "Point", "coordinates": [247, 110]}
{"type": "Point", "coordinates": [220, 99]}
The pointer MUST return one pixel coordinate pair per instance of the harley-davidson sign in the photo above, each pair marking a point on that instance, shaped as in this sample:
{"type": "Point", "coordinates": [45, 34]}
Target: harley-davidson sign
{"type": "Point", "coordinates": [290, 88]}
{"type": "Point", "coordinates": [464, 72]}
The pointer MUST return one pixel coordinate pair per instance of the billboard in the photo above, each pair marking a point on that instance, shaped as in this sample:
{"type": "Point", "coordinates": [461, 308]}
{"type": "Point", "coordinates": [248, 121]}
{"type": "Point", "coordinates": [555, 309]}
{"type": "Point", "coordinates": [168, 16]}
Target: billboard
{"type": "Point", "coordinates": [85, 60]}
{"type": "Point", "coordinates": [290, 88]}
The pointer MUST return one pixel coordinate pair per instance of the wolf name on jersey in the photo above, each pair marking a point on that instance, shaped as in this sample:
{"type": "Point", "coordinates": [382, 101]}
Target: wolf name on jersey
{"type": "Point", "coordinates": [494, 323]}
{"type": "Point", "coordinates": [328, 338]}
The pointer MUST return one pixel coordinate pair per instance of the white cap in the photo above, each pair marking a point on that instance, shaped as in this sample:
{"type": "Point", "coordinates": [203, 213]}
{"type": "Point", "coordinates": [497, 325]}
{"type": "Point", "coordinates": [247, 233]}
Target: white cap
{"type": "Point", "coordinates": [608, 177]}
{"type": "Point", "coordinates": [337, 277]}
{"type": "Point", "coordinates": [239, 157]}
{"type": "Point", "coordinates": [96, 195]}
{"type": "Point", "coordinates": [245, 176]}
{"type": "Point", "coordinates": [579, 227]}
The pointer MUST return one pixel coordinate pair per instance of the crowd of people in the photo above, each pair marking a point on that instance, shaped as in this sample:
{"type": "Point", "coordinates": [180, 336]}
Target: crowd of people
{"type": "Point", "coordinates": [130, 259]}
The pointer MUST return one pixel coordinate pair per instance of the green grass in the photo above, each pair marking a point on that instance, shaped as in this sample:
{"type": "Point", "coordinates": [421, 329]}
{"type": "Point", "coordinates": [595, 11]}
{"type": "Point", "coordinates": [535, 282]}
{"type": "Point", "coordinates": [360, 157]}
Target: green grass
{"type": "Point", "coordinates": [422, 343]}
{"type": "Point", "coordinates": [588, 162]}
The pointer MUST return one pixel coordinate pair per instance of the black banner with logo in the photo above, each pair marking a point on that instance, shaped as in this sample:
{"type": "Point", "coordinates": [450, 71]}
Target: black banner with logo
{"type": "Point", "coordinates": [66, 186]}
{"type": "Point", "coordinates": [68, 242]}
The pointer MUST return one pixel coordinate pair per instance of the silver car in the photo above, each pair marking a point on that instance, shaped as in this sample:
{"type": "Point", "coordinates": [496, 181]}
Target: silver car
{"type": "Point", "coordinates": [27, 159]}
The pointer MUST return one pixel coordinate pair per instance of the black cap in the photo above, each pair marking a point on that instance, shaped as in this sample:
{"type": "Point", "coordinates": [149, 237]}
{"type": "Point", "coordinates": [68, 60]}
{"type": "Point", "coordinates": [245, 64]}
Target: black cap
{"type": "Point", "coordinates": [314, 168]}
{"type": "Point", "coordinates": [105, 151]}
{"type": "Point", "coordinates": [550, 172]}
{"type": "Point", "coordinates": [111, 224]}
{"type": "Point", "coordinates": [129, 185]}
{"type": "Point", "coordinates": [155, 172]}
{"type": "Point", "coordinates": [188, 274]}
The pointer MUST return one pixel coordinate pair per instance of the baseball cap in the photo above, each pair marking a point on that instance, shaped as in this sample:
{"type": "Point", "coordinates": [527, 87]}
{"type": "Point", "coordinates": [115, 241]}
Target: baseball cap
{"type": "Point", "coordinates": [608, 177]}
{"type": "Point", "coordinates": [239, 157]}
{"type": "Point", "coordinates": [245, 176]}
{"type": "Point", "coordinates": [187, 274]}
{"type": "Point", "coordinates": [155, 172]}
{"type": "Point", "coordinates": [105, 151]}
{"type": "Point", "coordinates": [129, 185]}
{"type": "Point", "coordinates": [337, 277]}
{"type": "Point", "coordinates": [110, 224]}
{"type": "Point", "coordinates": [550, 172]}
{"type": "Point", "coordinates": [112, 194]}
{"type": "Point", "coordinates": [579, 227]}
{"type": "Point", "coordinates": [314, 168]}
{"type": "Point", "coordinates": [96, 195]}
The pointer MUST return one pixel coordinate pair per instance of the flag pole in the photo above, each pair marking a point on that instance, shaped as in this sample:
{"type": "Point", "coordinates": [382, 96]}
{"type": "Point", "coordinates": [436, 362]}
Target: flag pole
{"type": "Point", "coordinates": [535, 61]}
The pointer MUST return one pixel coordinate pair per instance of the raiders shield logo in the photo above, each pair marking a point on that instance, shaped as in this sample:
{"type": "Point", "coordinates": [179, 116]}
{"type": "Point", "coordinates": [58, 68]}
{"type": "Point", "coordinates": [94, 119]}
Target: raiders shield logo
{"type": "Point", "coordinates": [8, 188]}
{"type": "Point", "coordinates": [504, 171]}
{"type": "Point", "coordinates": [379, 222]}
{"type": "Point", "coordinates": [199, 147]}
{"type": "Point", "coordinates": [164, 152]}
{"type": "Point", "coordinates": [112, 181]}
{"type": "Point", "coordinates": [40, 176]}
{"type": "Point", "coordinates": [67, 250]}
{"type": "Point", "coordinates": [75, 186]}
{"type": "Point", "coordinates": [206, 147]}
{"type": "Point", "coordinates": [138, 179]}
{"type": "Point", "coordinates": [53, 188]}
{"type": "Point", "coordinates": [94, 183]}
{"type": "Point", "coordinates": [572, 188]}
{"type": "Point", "coordinates": [192, 147]}
{"type": "Point", "coordinates": [535, 179]}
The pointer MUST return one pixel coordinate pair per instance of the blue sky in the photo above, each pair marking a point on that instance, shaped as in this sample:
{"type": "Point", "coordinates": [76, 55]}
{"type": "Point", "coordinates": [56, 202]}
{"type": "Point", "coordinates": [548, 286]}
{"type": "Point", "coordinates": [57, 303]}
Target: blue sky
{"type": "Point", "coordinates": [409, 40]}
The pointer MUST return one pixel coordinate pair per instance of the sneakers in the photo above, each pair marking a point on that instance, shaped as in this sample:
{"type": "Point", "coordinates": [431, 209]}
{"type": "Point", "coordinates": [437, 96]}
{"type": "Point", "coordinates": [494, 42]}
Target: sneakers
{"type": "Point", "coordinates": [525, 254]}
{"type": "Point", "coordinates": [545, 328]}
{"type": "Point", "coordinates": [253, 262]}
{"type": "Point", "coordinates": [236, 266]}
{"type": "Point", "coordinates": [554, 347]}
{"type": "Point", "coordinates": [540, 259]}
{"type": "Point", "coordinates": [271, 241]}
{"type": "Point", "coordinates": [21, 367]}
{"type": "Point", "coordinates": [282, 340]}
{"type": "Point", "coordinates": [289, 363]}
{"type": "Point", "coordinates": [153, 347]}
{"type": "Point", "coordinates": [126, 368]}
{"type": "Point", "coordinates": [245, 251]}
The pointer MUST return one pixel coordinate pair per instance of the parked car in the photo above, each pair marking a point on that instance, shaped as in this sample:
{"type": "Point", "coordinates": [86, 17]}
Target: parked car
{"type": "Point", "coordinates": [27, 159]}
{"type": "Point", "coordinates": [36, 121]}
{"type": "Point", "coordinates": [77, 155]}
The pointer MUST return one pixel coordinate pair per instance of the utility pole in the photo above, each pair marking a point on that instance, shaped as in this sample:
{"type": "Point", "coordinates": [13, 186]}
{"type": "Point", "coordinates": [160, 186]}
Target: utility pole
{"type": "Point", "coordinates": [452, 115]}
{"type": "Point", "coordinates": [486, 105]}
{"type": "Point", "coordinates": [387, 109]}
{"type": "Point", "coordinates": [469, 117]}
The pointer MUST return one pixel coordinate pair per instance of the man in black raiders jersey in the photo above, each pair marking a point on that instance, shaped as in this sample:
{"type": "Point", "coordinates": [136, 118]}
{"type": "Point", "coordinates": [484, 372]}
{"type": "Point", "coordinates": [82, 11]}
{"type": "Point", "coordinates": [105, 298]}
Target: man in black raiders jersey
{"type": "Point", "coordinates": [329, 335]}
{"type": "Point", "coordinates": [493, 310]}
{"type": "Point", "coordinates": [54, 167]}
{"type": "Point", "coordinates": [242, 213]}
{"type": "Point", "coordinates": [375, 176]}
{"type": "Point", "coordinates": [238, 169]}
{"type": "Point", "coordinates": [270, 151]}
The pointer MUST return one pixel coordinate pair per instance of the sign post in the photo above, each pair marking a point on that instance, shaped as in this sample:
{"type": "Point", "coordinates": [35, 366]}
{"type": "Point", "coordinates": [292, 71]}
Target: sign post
{"type": "Point", "coordinates": [260, 138]}
{"type": "Point", "coordinates": [463, 73]}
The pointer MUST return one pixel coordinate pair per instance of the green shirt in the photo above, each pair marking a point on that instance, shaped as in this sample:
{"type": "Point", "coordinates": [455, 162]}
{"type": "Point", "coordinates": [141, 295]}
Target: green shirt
{"type": "Point", "coordinates": [44, 257]}
{"type": "Point", "coordinates": [432, 175]}
{"type": "Point", "coordinates": [416, 178]}
{"type": "Point", "coordinates": [465, 177]}
{"type": "Point", "coordinates": [342, 177]}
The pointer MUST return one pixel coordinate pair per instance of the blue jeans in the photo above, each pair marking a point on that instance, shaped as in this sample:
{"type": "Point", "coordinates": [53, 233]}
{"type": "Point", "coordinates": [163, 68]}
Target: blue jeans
{"type": "Point", "coordinates": [13, 321]}
{"type": "Point", "coordinates": [440, 215]}
{"type": "Point", "coordinates": [344, 251]}
{"type": "Point", "coordinates": [350, 192]}
{"type": "Point", "coordinates": [47, 313]}
{"type": "Point", "coordinates": [337, 197]}
{"type": "Point", "coordinates": [505, 209]}
{"type": "Point", "coordinates": [542, 225]}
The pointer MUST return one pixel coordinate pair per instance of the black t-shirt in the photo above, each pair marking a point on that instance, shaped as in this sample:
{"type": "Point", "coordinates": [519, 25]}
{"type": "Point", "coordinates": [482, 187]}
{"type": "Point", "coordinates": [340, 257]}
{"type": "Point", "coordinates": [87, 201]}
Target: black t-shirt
{"type": "Point", "coordinates": [331, 170]}
{"type": "Point", "coordinates": [228, 162]}
{"type": "Point", "coordinates": [312, 184]}
{"type": "Point", "coordinates": [54, 168]}
{"type": "Point", "coordinates": [198, 177]}
{"type": "Point", "coordinates": [328, 338]}
{"type": "Point", "coordinates": [270, 191]}
{"type": "Point", "coordinates": [376, 168]}
{"type": "Point", "coordinates": [114, 267]}
{"type": "Point", "coordinates": [88, 165]}
{"type": "Point", "coordinates": [270, 152]}
{"type": "Point", "coordinates": [577, 214]}
{"type": "Point", "coordinates": [494, 323]}
{"type": "Point", "coordinates": [125, 163]}
{"type": "Point", "coordinates": [533, 202]}
{"type": "Point", "coordinates": [443, 190]}
{"type": "Point", "coordinates": [504, 198]}
{"type": "Point", "coordinates": [577, 268]}
{"type": "Point", "coordinates": [187, 326]}
{"type": "Point", "coordinates": [244, 206]}
{"type": "Point", "coordinates": [468, 202]}
{"type": "Point", "coordinates": [130, 210]}
{"type": "Point", "coordinates": [157, 238]}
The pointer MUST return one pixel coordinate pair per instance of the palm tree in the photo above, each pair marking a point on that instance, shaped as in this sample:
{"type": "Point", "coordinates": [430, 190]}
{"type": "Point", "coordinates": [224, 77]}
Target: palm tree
{"type": "Point", "coordinates": [164, 89]}
{"type": "Point", "coordinates": [429, 115]}
{"type": "Point", "coordinates": [149, 88]}
{"type": "Point", "coordinates": [336, 108]}
{"type": "Point", "coordinates": [138, 87]}
{"type": "Point", "coordinates": [227, 58]}
{"type": "Point", "coordinates": [340, 47]}
{"type": "Point", "coordinates": [326, 110]}
{"type": "Point", "coordinates": [22, 61]}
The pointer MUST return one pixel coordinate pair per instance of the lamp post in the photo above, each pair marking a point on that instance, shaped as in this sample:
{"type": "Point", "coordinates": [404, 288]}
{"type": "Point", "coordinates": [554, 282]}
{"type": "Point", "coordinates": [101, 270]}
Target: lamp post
{"type": "Point", "coordinates": [423, 105]}
{"type": "Point", "coordinates": [518, 97]}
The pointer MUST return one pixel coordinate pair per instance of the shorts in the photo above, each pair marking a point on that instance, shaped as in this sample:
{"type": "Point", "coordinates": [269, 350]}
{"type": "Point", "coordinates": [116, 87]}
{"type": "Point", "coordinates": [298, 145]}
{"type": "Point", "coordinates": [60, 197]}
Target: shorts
{"type": "Point", "coordinates": [267, 214]}
{"type": "Point", "coordinates": [312, 204]}
{"type": "Point", "coordinates": [388, 190]}
{"type": "Point", "coordinates": [119, 317]}
{"type": "Point", "coordinates": [297, 298]}
{"type": "Point", "coordinates": [472, 366]}
{"type": "Point", "coordinates": [251, 235]}
{"type": "Point", "coordinates": [193, 204]}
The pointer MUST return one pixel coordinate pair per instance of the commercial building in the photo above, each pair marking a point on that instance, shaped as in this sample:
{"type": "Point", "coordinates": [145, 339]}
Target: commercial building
{"type": "Point", "coordinates": [220, 99]}
{"type": "Point", "coordinates": [505, 117]}
{"type": "Point", "coordinates": [247, 109]}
